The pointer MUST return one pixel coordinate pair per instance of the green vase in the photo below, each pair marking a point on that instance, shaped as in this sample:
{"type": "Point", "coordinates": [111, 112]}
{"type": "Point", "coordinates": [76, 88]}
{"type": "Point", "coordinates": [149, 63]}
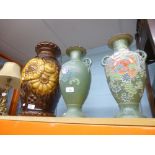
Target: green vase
{"type": "Point", "coordinates": [75, 79]}
{"type": "Point", "coordinates": [126, 75]}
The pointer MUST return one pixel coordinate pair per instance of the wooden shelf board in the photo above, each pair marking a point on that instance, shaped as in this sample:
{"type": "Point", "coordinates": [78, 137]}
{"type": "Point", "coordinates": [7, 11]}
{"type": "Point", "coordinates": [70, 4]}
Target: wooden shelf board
{"type": "Point", "coordinates": [91, 121]}
{"type": "Point", "coordinates": [75, 126]}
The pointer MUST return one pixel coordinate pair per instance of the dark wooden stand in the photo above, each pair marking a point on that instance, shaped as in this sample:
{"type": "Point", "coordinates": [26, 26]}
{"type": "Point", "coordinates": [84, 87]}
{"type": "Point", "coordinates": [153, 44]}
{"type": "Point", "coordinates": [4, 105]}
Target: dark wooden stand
{"type": "Point", "coordinates": [145, 40]}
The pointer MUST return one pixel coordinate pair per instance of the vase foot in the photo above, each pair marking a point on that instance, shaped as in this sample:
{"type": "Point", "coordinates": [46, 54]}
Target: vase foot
{"type": "Point", "coordinates": [129, 115]}
{"type": "Point", "coordinates": [36, 113]}
{"type": "Point", "coordinates": [73, 113]}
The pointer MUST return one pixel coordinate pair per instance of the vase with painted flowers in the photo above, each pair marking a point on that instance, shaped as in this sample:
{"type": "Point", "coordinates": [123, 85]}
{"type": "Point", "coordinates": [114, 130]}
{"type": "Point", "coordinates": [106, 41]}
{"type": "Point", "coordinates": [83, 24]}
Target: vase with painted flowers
{"type": "Point", "coordinates": [126, 75]}
{"type": "Point", "coordinates": [40, 81]}
{"type": "Point", "coordinates": [75, 79]}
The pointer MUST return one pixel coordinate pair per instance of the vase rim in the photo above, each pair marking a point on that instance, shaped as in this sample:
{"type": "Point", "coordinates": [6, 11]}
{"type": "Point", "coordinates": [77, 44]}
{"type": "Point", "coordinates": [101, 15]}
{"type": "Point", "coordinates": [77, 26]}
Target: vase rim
{"type": "Point", "coordinates": [48, 46]}
{"type": "Point", "coordinates": [125, 36]}
{"type": "Point", "coordinates": [76, 48]}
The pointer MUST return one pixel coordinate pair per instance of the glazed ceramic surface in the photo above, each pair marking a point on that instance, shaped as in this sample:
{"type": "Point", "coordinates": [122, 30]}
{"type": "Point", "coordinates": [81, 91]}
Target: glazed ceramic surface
{"type": "Point", "coordinates": [126, 75]}
{"type": "Point", "coordinates": [39, 85]}
{"type": "Point", "coordinates": [75, 79]}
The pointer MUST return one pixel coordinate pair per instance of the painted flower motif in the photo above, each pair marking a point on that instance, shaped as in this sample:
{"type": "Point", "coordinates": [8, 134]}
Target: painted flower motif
{"type": "Point", "coordinates": [115, 77]}
{"type": "Point", "coordinates": [65, 77]}
{"type": "Point", "coordinates": [116, 90]}
{"type": "Point", "coordinates": [118, 68]}
{"type": "Point", "coordinates": [126, 78]}
{"type": "Point", "coordinates": [64, 70]}
{"type": "Point", "coordinates": [141, 93]}
{"type": "Point", "coordinates": [142, 74]}
{"type": "Point", "coordinates": [125, 97]}
{"type": "Point", "coordinates": [132, 72]}
{"type": "Point", "coordinates": [132, 59]}
{"type": "Point", "coordinates": [141, 63]}
{"type": "Point", "coordinates": [115, 87]}
{"type": "Point", "coordinates": [122, 64]}
{"type": "Point", "coordinates": [130, 88]}
{"type": "Point", "coordinates": [139, 85]}
{"type": "Point", "coordinates": [130, 95]}
{"type": "Point", "coordinates": [75, 81]}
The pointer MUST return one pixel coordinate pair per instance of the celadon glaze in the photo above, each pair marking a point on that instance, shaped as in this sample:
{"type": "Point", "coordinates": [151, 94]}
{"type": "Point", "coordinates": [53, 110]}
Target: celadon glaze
{"type": "Point", "coordinates": [75, 79]}
{"type": "Point", "coordinates": [126, 75]}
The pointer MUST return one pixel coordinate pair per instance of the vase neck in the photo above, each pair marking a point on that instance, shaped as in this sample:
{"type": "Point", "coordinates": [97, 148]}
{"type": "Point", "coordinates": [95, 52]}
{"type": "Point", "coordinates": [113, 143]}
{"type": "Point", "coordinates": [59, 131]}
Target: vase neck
{"type": "Point", "coordinates": [75, 55]}
{"type": "Point", "coordinates": [120, 45]}
{"type": "Point", "coordinates": [46, 54]}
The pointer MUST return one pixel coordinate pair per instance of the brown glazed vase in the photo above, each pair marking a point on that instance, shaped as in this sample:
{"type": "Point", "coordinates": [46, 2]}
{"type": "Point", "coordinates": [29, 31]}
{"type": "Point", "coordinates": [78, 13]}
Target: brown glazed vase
{"type": "Point", "coordinates": [40, 91]}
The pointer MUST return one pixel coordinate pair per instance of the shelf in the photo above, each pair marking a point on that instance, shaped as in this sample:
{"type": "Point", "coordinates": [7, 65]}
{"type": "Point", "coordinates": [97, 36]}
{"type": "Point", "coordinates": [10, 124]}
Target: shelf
{"type": "Point", "coordinates": [77, 126]}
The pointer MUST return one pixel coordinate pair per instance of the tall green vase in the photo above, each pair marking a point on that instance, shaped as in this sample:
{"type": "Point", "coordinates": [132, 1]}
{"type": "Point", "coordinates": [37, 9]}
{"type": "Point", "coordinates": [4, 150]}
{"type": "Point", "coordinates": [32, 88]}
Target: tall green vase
{"type": "Point", "coordinates": [126, 75]}
{"type": "Point", "coordinates": [75, 79]}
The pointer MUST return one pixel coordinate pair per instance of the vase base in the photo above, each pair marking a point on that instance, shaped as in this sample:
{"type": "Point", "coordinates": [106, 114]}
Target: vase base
{"type": "Point", "coordinates": [129, 115]}
{"type": "Point", "coordinates": [34, 113]}
{"type": "Point", "coordinates": [73, 113]}
{"type": "Point", "coordinates": [3, 114]}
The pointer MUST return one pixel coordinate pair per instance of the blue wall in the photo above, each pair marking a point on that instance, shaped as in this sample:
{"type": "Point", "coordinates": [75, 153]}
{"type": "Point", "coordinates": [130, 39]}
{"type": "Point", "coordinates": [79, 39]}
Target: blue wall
{"type": "Point", "coordinates": [100, 102]}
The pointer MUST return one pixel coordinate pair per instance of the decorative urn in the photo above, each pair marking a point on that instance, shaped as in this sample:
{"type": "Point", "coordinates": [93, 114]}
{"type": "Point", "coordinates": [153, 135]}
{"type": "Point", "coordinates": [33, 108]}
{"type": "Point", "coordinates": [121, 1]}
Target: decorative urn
{"type": "Point", "coordinates": [75, 79]}
{"type": "Point", "coordinates": [40, 81]}
{"type": "Point", "coordinates": [126, 75]}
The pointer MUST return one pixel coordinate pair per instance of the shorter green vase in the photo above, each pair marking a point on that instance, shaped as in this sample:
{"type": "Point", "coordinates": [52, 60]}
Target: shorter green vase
{"type": "Point", "coordinates": [126, 75]}
{"type": "Point", "coordinates": [75, 79]}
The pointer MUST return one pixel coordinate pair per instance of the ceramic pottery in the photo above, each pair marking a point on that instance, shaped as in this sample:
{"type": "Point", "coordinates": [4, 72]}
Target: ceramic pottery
{"type": "Point", "coordinates": [40, 91]}
{"type": "Point", "coordinates": [75, 79]}
{"type": "Point", "coordinates": [126, 75]}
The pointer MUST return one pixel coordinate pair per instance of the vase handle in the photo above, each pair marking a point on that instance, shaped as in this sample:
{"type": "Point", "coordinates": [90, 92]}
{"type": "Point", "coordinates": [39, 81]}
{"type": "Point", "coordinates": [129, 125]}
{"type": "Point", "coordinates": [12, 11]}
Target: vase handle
{"type": "Point", "coordinates": [87, 62]}
{"type": "Point", "coordinates": [104, 59]}
{"type": "Point", "coordinates": [142, 54]}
